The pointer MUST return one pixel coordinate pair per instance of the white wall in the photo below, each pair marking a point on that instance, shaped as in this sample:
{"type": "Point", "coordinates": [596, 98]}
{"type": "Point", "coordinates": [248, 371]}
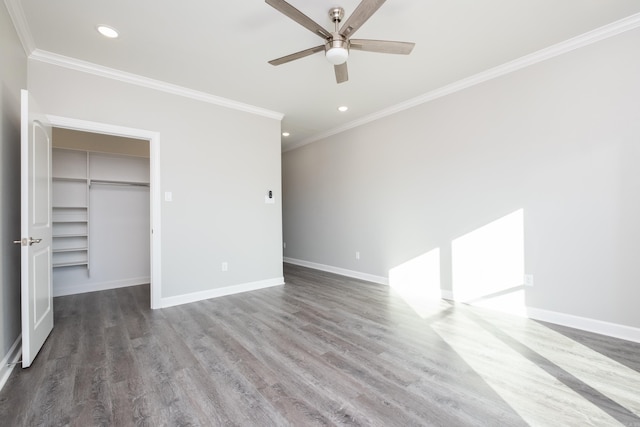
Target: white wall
{"type": "Point", "coordinates": [218, 163]}
{"type": "Point", "coordinates": [13, 77]}
{"type": "Point", "coordinates": [559, 140]}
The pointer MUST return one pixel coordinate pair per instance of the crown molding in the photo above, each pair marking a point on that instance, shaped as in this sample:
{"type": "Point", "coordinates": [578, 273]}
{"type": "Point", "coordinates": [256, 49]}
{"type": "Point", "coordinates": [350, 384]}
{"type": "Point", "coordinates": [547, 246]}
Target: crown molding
{"type": "Point", "coordinates": [24, 34]}
{"type": "Point", "coordinates": [586, 39]}
{"type": "Point", "coordinates": [20, 23]}
{"type": "Point", "coordinates": [135, 79]}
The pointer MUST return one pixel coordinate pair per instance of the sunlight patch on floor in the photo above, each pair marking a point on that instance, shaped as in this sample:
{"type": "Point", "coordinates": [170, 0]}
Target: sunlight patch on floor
{"type": "Point", "coordinates": [538, 397]}
{"type": "Point", "coordinates": [613, 379]}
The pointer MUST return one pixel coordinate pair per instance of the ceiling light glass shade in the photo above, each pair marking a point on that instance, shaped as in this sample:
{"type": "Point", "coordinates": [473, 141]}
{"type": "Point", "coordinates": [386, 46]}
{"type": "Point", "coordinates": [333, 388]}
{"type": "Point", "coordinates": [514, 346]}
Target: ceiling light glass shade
{"type": "Point", "coordinates": [337, 55]}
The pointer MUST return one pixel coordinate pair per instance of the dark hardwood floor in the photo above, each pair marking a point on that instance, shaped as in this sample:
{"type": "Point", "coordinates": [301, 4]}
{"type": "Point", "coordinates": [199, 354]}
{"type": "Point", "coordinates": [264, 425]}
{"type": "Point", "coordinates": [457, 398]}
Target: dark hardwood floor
{"type": "Point", "coordinates": [321, 350]}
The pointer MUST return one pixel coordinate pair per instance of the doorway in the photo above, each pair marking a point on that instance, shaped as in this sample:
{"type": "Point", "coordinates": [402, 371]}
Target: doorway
{"type": "Point", "coordinates": [153, 139]}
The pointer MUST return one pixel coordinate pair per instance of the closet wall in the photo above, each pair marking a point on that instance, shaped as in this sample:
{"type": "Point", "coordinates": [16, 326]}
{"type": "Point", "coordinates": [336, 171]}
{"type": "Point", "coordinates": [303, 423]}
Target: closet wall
{"type": "Point", "coordinates": [101, 227]}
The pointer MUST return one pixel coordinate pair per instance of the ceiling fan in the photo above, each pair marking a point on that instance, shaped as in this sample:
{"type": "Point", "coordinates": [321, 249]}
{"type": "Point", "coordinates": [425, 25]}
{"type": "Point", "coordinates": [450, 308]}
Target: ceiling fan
{"type": "Point", "coordinates": [338, 43]}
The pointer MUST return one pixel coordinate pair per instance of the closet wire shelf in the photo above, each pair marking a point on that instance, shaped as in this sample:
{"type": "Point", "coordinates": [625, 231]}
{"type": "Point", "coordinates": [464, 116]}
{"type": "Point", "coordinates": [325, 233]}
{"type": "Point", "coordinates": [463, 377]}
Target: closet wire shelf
{"type": "Point", "coordinates": [118, 183]}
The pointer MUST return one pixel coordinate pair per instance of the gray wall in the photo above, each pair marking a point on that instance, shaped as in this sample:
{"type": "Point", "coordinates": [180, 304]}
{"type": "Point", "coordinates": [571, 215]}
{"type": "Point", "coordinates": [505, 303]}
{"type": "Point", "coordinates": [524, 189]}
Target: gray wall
{"type": "Point", "coordinates": [13, 77]}
{"type": "Point", "coordinates": [218, 163]}
{"type": "Point", "coordinates": [559, 140]}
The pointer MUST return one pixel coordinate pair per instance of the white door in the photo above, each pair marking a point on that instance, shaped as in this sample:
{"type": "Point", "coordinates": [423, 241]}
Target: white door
{"type": "Point", "coordinates": [37, 297]}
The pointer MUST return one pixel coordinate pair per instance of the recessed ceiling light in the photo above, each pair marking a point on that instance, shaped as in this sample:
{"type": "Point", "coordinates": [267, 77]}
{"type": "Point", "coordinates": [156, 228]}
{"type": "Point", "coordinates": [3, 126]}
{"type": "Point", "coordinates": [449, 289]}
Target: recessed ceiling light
{"type": "Point", "coordinates": [107, 31]}
{"type": "Point", "coordinates": [343, 108]}
{"type": "Point", "coordinates": [285, 134]}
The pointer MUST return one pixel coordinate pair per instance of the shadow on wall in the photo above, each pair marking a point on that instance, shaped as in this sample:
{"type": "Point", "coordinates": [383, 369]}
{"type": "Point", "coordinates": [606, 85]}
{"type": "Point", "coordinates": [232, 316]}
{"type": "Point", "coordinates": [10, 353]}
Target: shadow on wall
{"type": "Point", "coordinates": [487, 269]}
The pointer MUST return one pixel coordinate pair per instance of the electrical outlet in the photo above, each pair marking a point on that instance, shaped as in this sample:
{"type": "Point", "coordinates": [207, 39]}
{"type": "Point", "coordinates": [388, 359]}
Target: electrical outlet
{"type": "Point", "coordinates": [528, 279]}
{"type": "Point", "coordinates": [357, 255]}
{"type": "Point", "coordinates": [284, 245]}
{"type": "Point", "coordinates": [225, 266]}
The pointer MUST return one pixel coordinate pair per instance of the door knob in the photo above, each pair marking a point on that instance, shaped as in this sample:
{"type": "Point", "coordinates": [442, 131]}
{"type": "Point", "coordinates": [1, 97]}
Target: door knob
{"type": "Point", "coordinates": [24, 242]}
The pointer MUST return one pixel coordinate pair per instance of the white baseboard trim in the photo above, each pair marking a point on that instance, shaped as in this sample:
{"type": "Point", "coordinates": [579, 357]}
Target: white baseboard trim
{"type": "Point", "coordinates": [103, 286]}
{"type": "Point", "coordinates": [220, 292]}
{"type": "Point", "coordinates": [448, 295]}
{"type": "Point", "coordinates": [9, 360]}
{"type": "Point", "coordinates": [337, 270]}
{"type": "Point", "coordinates": [583, 323]}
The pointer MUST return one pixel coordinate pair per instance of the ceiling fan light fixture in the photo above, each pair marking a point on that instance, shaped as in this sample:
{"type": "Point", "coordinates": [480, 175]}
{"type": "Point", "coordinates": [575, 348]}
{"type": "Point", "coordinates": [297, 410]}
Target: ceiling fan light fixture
{"type": "Point", "coordinates": [336, 49]}
{"type": "Point", "coordinates": [337, 55]}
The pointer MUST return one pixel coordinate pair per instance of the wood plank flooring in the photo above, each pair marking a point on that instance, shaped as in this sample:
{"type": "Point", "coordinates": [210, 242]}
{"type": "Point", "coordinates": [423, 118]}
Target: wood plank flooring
{"type": "Point", "coordinates": [321, 350]}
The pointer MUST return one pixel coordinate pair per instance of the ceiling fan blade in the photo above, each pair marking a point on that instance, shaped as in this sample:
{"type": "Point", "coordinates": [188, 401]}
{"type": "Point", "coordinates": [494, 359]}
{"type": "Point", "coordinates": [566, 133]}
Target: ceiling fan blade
{"type": "Point", "coordinates": [296, 55]}
{"type": "Point", "coordinates": [302, 19]}
{"type": "Point", "coordinates": [363, 12]}
{"type": "Point", "coordinates": [382, 46]}
{"type": "Point", "coordinates": [342, 74]}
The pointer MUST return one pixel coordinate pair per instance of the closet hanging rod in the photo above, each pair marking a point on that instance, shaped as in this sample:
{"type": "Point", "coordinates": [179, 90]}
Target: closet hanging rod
{"type": "Point", "coordinates": [120, 183]}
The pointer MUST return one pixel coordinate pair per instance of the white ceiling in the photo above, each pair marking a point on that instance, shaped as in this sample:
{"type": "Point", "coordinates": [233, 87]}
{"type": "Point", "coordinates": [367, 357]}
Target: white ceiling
{"type": "Point", "coordinates": [222, 47]}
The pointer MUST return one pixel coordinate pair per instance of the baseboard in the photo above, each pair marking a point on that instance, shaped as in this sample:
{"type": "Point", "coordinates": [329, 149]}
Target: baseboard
{"type": "Point", "coordinates": [102, 286]}
{"type": "Point", "coordinates": [583, 323]}
{"type": "Point", "coordinates": [9, 361]}
{"type": "Point", "coordinates": [448, 295]}
{"type": "Point", "coordinates": [337, 270]}
{"type": "Point", "coordinates": [220, 292]}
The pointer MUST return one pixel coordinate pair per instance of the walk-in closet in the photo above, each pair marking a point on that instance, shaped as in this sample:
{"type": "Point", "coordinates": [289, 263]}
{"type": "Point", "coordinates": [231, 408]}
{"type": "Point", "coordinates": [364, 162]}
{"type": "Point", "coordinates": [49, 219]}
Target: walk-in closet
{"type": "Point", "coordinates": [100, 212]}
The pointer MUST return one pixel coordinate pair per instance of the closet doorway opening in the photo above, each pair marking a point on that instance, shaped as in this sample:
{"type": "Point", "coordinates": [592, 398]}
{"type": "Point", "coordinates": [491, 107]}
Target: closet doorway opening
{"type": "Point", "coordinates": [105, 211]}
